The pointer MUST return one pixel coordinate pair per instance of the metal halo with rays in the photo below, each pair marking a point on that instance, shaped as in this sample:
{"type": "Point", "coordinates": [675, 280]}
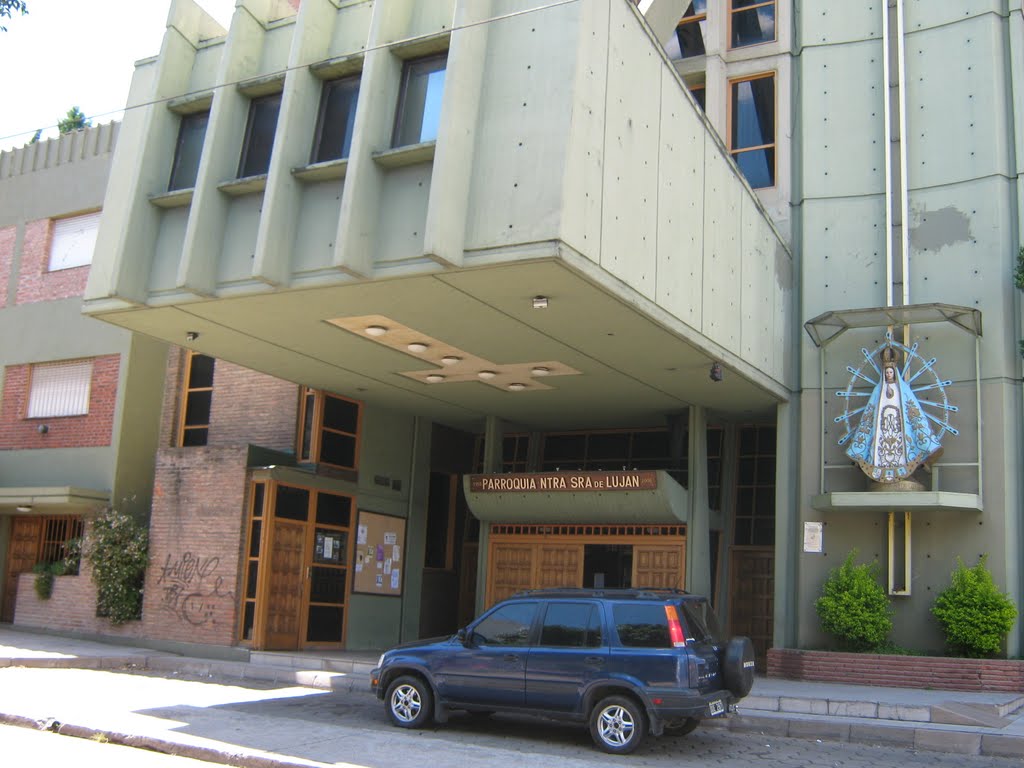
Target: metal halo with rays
{"type": "Point", "coordinates": [937, 411]}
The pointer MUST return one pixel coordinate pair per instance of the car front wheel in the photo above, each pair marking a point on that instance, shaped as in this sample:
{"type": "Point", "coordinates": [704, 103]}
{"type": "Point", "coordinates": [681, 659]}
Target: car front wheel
{"type": "Point", "coordinates": [617, 725]}
{"type": "Point", "coordinates": [410, 702]}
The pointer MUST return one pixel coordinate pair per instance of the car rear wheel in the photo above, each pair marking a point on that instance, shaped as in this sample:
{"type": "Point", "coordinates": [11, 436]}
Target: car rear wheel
{"type": "Point", "coordinates": [681, 727]}
{"type": "Point", "coordinates": [617, 725]}
{"type": "Point", "coordinates": [410, 702]}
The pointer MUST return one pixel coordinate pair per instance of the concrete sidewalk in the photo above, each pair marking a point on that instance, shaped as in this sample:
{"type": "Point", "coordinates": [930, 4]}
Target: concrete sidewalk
{"type": "Point", "coordinates": [140, 709]}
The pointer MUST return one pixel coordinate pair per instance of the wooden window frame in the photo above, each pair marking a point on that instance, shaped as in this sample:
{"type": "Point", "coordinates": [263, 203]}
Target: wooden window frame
{"type": "Point", "coordinates": [686, 21]}
{"type": "Point", "coordinates": [774, 145]}
{"type": "Point", "coordinates": [318, 398]}
{"type": "Point", "coordinates": [187, 390]}
{"type": "Point", "coordinates": [733, 11]}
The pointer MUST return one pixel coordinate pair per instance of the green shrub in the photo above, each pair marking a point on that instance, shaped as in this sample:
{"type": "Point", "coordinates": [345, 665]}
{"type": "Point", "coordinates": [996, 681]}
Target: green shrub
{"type": "Point", "coordinates": [43, 583]}
{"type": "Point", "coordinates": [975, 616]}
{"type": "Point", "coordinates": [117, 549]}
{"type": "Point", "coordinates": [853, 606]}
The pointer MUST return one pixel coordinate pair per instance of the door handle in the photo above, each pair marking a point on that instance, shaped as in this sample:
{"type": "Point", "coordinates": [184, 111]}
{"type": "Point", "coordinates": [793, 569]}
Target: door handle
{"type": "Point", "coordinates": [595, 661]}
{"type": "Point", "coordinates": [511, 657]}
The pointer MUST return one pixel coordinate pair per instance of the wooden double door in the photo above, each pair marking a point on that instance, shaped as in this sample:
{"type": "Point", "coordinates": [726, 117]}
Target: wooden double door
{"type": "Point", "coordinates": [21, 556]}
{"type": "Point", "coordinates": [539, 557]}
{"type": "Point", "coordinates": [303, 585]}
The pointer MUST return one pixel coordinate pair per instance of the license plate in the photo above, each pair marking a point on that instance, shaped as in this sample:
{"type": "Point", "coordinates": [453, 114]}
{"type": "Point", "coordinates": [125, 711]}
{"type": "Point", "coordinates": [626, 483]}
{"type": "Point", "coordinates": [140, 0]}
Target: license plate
{"type": "Point", "coordinates": [716, 707]}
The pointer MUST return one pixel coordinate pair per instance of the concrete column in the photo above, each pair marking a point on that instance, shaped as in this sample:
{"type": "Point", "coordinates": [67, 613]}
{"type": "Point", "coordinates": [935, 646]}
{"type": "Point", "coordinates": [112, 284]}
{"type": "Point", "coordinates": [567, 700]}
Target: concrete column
{"type": "Point", "coordinates": [787, 526]}
{"type": "Point", "coordinates": [493, 434]}
{"type": "Point", "coordinates": [698, 551]}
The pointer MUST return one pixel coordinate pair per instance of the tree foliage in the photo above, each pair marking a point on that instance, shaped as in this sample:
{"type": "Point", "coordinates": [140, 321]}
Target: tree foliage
{"type": "Point", "coordinates": [975, 616]}
{"type": "Point", "coordinates": [853, 606]}
{"type": "Point", "coordinates": [9, 7]}
{"type": "Point", "coordinates": [74, 121]}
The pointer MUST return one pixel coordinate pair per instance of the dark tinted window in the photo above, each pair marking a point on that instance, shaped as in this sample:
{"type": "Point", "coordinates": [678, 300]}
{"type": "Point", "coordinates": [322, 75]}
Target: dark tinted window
{"type": "Point", "coordinates": [700, 622]}
{"type": "Point", "coordinates": [419, 105]}
{"type": "Point", "coordinates": [292, 503]}
{"type": "Point", "coordinates": [571, 625]}
{"type": "Point", "coordinates": [259, 136]}
{"type": "Point", "coordinates": [337, 119]}
{"type": "Point", "coordinates": [189, 150]}
{"type": "Point", "coordinates": [642, 625]}
{"type": "Point", "coordinates": [508, 625]}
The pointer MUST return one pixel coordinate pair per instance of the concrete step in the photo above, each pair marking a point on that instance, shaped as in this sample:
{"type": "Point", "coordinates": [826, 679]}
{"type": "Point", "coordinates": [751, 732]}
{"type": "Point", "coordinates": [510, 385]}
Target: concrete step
{"type": "Point", "coordinates": [949, 712]}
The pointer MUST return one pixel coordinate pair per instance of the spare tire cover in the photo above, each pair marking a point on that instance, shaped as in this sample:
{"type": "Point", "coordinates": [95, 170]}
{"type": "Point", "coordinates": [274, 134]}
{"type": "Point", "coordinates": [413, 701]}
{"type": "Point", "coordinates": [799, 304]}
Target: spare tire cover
{"type": "Point", "coordinates": [738, 666]}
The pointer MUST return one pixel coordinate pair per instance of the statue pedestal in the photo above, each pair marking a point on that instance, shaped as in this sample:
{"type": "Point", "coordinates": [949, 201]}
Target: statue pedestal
{"type": "Point", "coordinates": [910, 484]}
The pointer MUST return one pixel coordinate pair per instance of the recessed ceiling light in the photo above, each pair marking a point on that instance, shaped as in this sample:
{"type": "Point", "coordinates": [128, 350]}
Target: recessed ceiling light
{"type": "Point", "coordinates": [434, 378]}
{"type": "Point", "coordinates": [487, 375]}
{"type": "Point", "coordinates": [376, 330]}
{"type": "Point", "coordinates": [417, 346]}
{"type": "Point", "coordinates": [450, 359]}
{"type": "Point", "coordinates": [540, 370]}
{"type": "Point", "coordinates": [516, 387]}
{"type": "Point", "coordinates": [540, 302]}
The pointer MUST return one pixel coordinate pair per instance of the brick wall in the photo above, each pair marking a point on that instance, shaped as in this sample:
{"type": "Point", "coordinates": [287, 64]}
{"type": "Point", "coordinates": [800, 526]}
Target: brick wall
{"type": "Point", "coordinates": [195, 542]}
{"type": "Point", "coordinates": [71, 607]}
{"type": "Point", "coordinates": [940, 673]}
{"type": "Point", "coordinates": [248, 407]}
{"type": "Point", "coordinates": [7, 237]}
{"type": "Point", "coordinates": [35, 281]}
{"type": "Point", "coordinates": [91, 430]}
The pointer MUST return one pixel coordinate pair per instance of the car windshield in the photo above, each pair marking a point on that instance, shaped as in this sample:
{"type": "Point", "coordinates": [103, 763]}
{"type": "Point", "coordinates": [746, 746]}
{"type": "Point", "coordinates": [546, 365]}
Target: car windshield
{"type": "Point", "coordinates": [701, 622]}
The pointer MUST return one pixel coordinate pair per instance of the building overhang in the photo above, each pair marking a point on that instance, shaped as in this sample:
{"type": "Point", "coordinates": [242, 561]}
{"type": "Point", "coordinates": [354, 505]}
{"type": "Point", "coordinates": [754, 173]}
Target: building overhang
{"type": "Point", "coordinates": [577, 497]}
{"type": "Point", "coordinates": [897, 501]}
{"type": "Point", "coordinates": [51, 500]}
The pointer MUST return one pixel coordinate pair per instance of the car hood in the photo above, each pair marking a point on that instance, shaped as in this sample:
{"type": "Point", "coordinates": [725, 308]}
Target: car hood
{"type": "Point", "coordinates": [422, 643]}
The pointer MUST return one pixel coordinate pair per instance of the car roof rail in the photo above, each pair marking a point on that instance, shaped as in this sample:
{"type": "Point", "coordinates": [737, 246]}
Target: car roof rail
{"type": "Point", "coordinates": [646, 593]}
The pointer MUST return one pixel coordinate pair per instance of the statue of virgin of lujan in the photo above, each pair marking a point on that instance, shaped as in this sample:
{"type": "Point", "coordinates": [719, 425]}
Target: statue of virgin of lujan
{"type": "Point", "coordinates": [893, 437]}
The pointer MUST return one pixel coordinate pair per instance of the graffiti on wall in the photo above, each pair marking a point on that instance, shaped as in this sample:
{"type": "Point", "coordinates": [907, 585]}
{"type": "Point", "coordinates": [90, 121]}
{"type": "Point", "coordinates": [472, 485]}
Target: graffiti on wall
{"type": "Point", "coordinates": [192, 590]}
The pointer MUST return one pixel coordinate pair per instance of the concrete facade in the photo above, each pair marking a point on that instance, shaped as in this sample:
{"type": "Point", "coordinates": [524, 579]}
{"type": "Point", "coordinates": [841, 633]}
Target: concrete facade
{"type": "Point", "coordinates": [571, 163]}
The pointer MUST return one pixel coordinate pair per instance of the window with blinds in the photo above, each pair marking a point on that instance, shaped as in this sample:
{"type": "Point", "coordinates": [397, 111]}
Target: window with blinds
{"type": "Point", "coordinates": [73, 241]}
{"type": "Point", "coordinates": [60, 389]}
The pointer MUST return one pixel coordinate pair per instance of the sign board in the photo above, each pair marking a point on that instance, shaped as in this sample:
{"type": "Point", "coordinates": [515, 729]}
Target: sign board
{"type": "Point", "coordinates": [380, 554]}
{"type": "Point", "coordinates": [545, 482]}
{"type": "Point", "coordinates": [813, 538]}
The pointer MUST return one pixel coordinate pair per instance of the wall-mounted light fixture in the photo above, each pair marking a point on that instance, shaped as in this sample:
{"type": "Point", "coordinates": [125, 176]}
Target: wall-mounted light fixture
{"type": "Point", "coordinates": [540, 302]}
{"type": "Point", "coordinates": [42, 429]}
{"type": "Point", "coordinates": [24, 508]}
{"type": "Point", "coordinates": [191, 336]}
{"type": "Point", "coordinates": [716, 372]}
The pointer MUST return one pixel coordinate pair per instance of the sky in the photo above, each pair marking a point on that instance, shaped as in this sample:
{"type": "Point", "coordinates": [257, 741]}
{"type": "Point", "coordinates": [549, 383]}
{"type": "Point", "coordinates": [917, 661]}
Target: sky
{"type": "Point", "coordinates": [67, 53]}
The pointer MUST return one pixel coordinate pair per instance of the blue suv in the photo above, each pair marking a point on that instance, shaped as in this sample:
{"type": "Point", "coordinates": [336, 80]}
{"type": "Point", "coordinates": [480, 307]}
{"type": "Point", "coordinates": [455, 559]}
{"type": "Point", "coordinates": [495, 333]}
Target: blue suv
{"type": "Point", "coordinates": [626, 662]}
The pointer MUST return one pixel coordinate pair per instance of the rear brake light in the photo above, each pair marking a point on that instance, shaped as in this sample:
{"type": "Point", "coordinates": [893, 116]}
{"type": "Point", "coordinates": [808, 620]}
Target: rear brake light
{"type": "Point", "coordinates": [675, 629]}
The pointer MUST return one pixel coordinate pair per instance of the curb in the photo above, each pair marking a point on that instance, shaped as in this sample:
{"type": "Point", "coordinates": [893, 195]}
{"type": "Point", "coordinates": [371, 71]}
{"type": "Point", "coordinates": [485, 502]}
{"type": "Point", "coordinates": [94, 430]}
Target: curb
{"type": "Point", "coordinates": [207, 754]}
{"type": "Point", "coordinates": [942, 738]}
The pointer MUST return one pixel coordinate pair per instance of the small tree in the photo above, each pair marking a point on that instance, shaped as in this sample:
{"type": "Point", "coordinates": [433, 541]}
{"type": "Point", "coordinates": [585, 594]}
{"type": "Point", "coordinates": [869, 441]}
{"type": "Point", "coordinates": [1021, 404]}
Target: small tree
{"type": "Point", "coordinates": [117, 549]}
{"type": "Point", "coordinates": [853, 606]}
{"type": "Point", "coordinates": [8, 7]}
{"type": "Point", "coordinates": [74, 121]}
{"type": "Point", "coordinates": [975, 616]}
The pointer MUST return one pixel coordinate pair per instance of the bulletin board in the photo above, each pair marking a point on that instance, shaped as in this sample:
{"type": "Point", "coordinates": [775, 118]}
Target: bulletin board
{"type": "Point", "coordinates": [379, 561]}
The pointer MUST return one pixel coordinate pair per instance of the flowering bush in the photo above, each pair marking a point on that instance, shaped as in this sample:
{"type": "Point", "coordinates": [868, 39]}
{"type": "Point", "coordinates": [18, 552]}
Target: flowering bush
{"type": "Point", "coordinates": [117, 548]}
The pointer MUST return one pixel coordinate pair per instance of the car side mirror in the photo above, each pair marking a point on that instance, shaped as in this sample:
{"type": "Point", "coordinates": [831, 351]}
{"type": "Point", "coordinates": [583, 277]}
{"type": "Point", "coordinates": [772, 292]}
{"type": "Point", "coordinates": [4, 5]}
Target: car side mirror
{"type": "Point", "coordinates": [462, 637]}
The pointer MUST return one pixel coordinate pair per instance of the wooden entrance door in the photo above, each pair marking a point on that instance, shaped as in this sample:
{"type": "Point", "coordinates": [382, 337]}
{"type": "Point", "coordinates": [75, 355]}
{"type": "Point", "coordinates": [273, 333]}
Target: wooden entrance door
{"type": "Point", "coordinates": [286, 583]}
{"type": "Point", "coordinates": [22, 554]}
{"type": "Point", "coordinates": [658, 566]}
{"type": "Point", "coordinates": [752, 597]}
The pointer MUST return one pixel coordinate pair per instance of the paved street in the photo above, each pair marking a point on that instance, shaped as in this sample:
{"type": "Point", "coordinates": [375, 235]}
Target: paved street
{"type": "Point", "coordinates": [351, 729]}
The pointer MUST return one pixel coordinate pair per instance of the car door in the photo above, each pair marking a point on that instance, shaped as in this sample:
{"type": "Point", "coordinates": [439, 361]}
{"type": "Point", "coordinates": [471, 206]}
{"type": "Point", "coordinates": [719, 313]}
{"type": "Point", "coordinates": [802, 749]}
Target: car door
{"type": "Point", "coordinates": [489, 670]}
{"type": "Point", "coordinates": [571, 651]}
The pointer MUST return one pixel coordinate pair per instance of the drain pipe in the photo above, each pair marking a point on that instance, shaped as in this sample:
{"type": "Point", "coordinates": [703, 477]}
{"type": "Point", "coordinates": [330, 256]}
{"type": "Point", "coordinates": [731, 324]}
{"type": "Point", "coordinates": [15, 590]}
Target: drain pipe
{"type": "Point", "coordinates": [904, 181]}
{"type": "Point", "coordinates": [887, 120]}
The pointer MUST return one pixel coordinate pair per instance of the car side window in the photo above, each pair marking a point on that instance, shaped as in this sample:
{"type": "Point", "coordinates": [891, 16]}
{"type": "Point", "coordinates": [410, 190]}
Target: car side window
{"type": "Point", "coordinates": [571, 625]}
{"type": "Point", "coordinates": [642, 626]}
{"type": "Point", "coordinates": [508, 625]}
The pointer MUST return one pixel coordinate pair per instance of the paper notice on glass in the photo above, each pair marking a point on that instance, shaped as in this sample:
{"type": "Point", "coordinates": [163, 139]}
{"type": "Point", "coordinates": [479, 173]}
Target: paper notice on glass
{"type": "Point", "coordinates": [390, 538]}
{"type": "Point", "coordinates": [396, 553]}
{"type": "Point", "coordinates": [361, 535]}
{"type": "Point", "coordinates": [395, 578]}
{"type": "Point", "coordinates": [813, 537]}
